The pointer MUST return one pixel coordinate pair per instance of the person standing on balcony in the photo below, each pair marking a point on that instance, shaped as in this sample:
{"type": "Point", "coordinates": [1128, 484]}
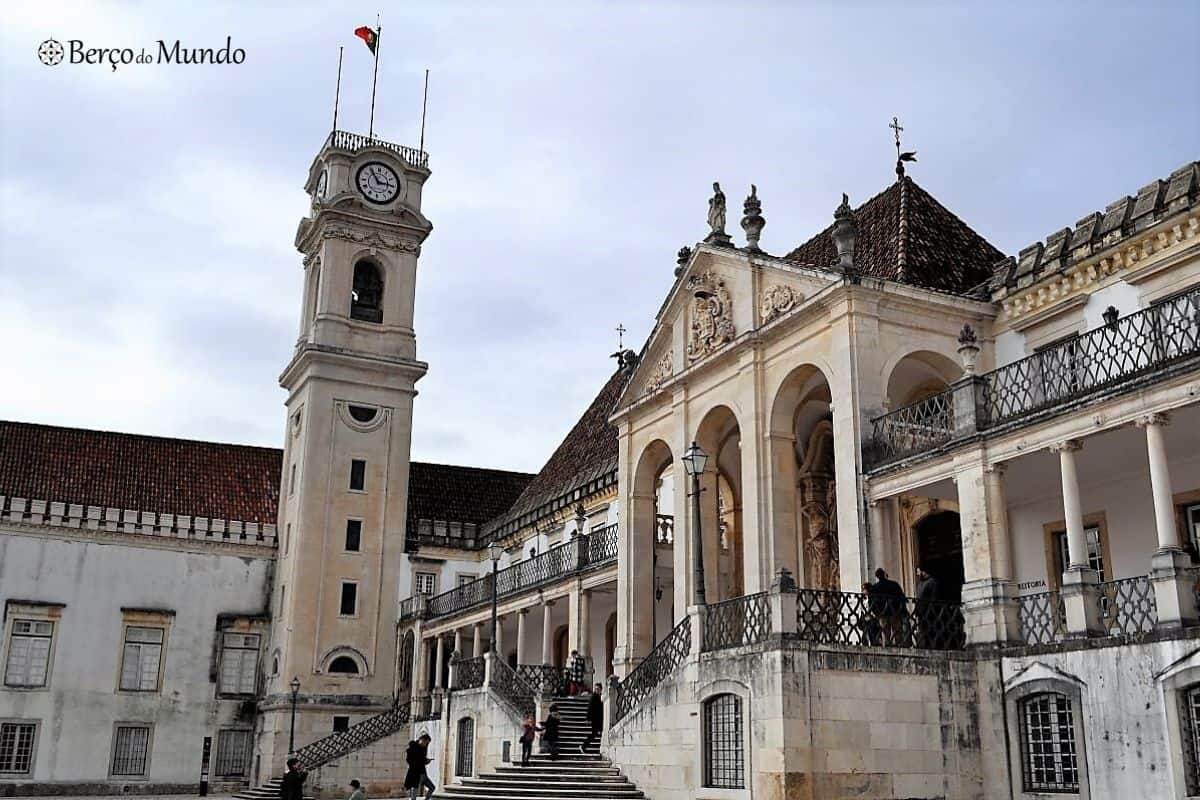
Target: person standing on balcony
{"type": "Point", "coordinates": [292, 787]}
{"type": "Point", "coordinates": [595, 717]}
{"type": "Point", "coordinates": [928, 595]}
{"type": "Point", "coordinates": [888, 596]}
{"type": "Point", "coordinates": [418, 759]}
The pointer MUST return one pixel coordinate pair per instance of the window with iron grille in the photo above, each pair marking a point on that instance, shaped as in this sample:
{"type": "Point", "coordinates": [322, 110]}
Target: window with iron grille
{"type": "Point", "coordinates": [464, 762]}
{"type": "Point", "coordinates": [1049, 755]}
{"type": "Point", "coordinates": [425, 582]}
{"type": "Point", "coordinates": [131, 750]}
{"type": "Point", "coordinates": [141, 659]}
{"type": "Point", "coordinates": [28, 662]}
{"type": "Point", "coordinates": [233, 753]}
{"type": "Point", "coordinates": [724, 752]}
{"type": "Point", "coordinates": [1189, 720]}
{"type": "Point", "coordinates": [16, 747]}
{"type": "Point", "coordinates": [463, 579]}
{"type": "Point", "coordinates": [239, 663]}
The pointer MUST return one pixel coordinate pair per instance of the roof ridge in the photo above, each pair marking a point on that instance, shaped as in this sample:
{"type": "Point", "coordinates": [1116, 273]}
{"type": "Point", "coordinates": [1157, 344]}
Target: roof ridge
{"type": "Point", "coordinates": [157, 437]}
{"type": "Point", "coordinates": [902, 229]}
{"type": "Point", "coordinates": [513, 472]}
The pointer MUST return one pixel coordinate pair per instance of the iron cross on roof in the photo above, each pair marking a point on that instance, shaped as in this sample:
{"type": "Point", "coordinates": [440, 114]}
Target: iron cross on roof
{"type": "Point", "coordinates": [621, 331]}
{"type": "Point", "coordinates": [901, 157]}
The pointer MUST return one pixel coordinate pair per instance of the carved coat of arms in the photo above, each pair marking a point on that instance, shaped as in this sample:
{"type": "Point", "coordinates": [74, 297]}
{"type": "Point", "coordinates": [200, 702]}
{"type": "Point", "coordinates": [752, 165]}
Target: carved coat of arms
{"type": "Point", "coordinates": [712, 315]}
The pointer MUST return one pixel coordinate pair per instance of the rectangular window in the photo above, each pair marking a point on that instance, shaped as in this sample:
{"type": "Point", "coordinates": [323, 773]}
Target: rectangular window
{"type": "Point", "coordinates": [131, 751]}
{"type": "Point", "coordinates": [1189, 720]}
{"type": "Point", "coordinates": [141, 660]}
{"type": "Point", "coordinates": [28, 663]}
{"type": "Point", "coordinates": [425, 582]}
{"type": "Point", "coordinates": [16, 747]}
{"type": "Point", "coordinates": [1095, 549]}
{"type": "Point", "coordinates": [239, 663]}
{"type": "Point", "coordinates": [292, 481]}
{"type": "Point", "coordinates": [1191, 518]}
{"type": "Point", "coordinates": [233, 753]}
{"type": "Point", "coordinates": [349, 599]}
{"type": "Point", "coordinates": [287, 539]}
{"type": "Point", "coordinates": [358, 475]}
{"type": "Point", "coordinates": [282, 597]}
{"type": "Point", "coordinates": [341, 724]}
{"type": "Point", "coordinates": [1049, 758]}
{"type": "Point", "coordinates": [353, 535]}
{"type": "Point", "coordinates": [464, 579]}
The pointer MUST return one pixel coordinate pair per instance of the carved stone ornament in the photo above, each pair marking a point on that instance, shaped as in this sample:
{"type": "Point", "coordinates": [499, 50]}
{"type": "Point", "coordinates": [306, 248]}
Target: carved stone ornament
{"type": "Point", "coordinates": [369, 237]}
{"type": "Point", "coordinates": [712, 315]}
{"type": "Point", "coordinates": [778, 300]}
{"type": "Point", "coordinates": [663, 371]}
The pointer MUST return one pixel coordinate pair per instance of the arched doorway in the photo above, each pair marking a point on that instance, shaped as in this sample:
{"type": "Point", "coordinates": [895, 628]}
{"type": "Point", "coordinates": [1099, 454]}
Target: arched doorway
{"type": "Point", "coordinates": [560, 646]}
{"type": "Point", "coordinates": [405, 667]}
{"type": "Point", "coordinates": [939, 550]}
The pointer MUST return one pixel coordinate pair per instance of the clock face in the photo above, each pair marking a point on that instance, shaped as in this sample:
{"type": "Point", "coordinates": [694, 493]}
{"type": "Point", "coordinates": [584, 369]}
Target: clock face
{"type": "Point", "coordinates": [378, 182]}
{"type": "Point", "coordinates": [322, 183]}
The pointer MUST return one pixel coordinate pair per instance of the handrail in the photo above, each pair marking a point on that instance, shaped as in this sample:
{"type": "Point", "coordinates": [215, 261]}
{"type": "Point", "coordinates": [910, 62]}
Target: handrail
{"type": "Point", "coordinates": [507, 684]}
{"type": "Point", "coordinates": [356, 736]}
{"type": "Point", "coordinates": [659, 665]}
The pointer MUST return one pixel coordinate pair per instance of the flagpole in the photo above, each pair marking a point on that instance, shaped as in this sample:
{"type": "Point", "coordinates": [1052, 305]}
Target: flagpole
{"type": "Point", "coordinates": [337, 93]}
{"type": "Point", "coordinates": [424, 105]}
{"type": "Point", "coordinates": [375, 80]}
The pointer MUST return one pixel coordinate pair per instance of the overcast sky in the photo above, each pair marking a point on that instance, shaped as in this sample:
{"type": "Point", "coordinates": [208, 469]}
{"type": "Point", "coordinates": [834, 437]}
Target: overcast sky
{"type": "Point", "coordinates": [148, 281]}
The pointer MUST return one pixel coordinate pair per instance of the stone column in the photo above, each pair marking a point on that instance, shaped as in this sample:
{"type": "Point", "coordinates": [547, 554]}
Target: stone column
{"type": "Point", "coordinates": [989, 597]}
{"type": "Point", "coordinates": [458, 642]}
{"type": "Point", "coordinates": [521, 635]}
{"type": "Point", "coordinates": [585, 622]}
{"type": "Point", "coordinates": [476, 640]}
{"type": "Point", "coordinates": [499, 643]}
{"type": "Point", "coordinates": [1080, 593]}
{"type": "Point", "coordinates": [547, 632]}
{"type": "Point", "coordinates": [420, 665]}
{"type": "Point", "coordinates": [1169, 565]}
{"type": "Point", "coordinates": [441, 659]}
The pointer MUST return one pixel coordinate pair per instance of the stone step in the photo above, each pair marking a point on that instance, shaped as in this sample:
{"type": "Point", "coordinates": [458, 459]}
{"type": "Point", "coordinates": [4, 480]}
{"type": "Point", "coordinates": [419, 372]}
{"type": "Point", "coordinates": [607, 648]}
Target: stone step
{"type": "Point", "coordinates": [538, 793]}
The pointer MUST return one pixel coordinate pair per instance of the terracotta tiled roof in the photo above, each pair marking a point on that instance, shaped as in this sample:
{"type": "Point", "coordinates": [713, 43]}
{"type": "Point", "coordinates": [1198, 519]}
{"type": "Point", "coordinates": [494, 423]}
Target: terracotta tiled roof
{"type": "Point", "coordinates": [139, 473]}
{"type": "Point", "coordinates": [209, 479]}
{"type": "Point", "coordinates": [937, 249]}
{"type": "Point", "coordinates": [588, 455]}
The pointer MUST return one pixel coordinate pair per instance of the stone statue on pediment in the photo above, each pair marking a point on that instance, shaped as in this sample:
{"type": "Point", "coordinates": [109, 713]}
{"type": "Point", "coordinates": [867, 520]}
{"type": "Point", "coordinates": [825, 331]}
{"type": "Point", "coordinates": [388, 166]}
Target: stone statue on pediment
{"type": "Point", "coordinates": [716, 217]}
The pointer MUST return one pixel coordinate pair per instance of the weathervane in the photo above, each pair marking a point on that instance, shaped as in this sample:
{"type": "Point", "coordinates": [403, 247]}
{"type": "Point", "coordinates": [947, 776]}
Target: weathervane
{"type": "Point", "coordinates": [911, 155]}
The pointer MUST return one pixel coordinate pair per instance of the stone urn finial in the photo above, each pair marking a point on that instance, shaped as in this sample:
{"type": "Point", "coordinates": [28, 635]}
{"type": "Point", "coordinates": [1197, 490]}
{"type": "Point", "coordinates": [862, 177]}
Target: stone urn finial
{"type": "Point", "coordinates": [753, 222]}
{"type": "Point", "coordinates": [968, 349]}
{"type": "Point", "coordinates": [844, 234]}
{"type": "Point", "coordinates": [681, 259]}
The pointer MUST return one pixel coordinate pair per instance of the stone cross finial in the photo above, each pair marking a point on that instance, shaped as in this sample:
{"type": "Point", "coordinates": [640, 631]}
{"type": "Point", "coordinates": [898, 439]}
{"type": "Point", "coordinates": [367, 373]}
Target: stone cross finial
{"type": "Point", "coordinates": [716, 218]}
{"type": "Point", "coordinates": [753, 221]}
{"type": "Point", "coordinates": [681, 259]}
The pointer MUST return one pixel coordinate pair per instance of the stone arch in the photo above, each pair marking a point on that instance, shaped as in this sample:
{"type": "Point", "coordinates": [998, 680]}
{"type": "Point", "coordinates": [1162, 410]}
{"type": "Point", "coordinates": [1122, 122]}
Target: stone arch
{"type": "Point", "coordinates": [339, 657]}
{"type": "Point", "coordinates": [366, 290]}
{"type": "Point", "coordinates": [722, 491]}
{"type": "Point", "coordinates": [655, 461]}
{"type": "Point", "coordinates": [916, 375]}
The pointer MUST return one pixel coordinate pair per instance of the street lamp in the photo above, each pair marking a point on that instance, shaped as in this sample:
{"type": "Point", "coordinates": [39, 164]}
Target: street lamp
{"type": "Point", "coordinates": [694, 461]}
{"type": "Point", "coordinates": [494, 552]}
{"type": "Point", "coordinates": [295, 684]}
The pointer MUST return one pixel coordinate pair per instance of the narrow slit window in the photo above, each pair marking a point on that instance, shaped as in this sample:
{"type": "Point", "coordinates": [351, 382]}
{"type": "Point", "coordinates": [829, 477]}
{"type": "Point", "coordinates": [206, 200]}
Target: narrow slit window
{"type": "Point", "coordinates": [358, 475]}
{"type": "Point", "coordinates": [349, 605]}
{"type": "Point", "coordinates": [353, 535]}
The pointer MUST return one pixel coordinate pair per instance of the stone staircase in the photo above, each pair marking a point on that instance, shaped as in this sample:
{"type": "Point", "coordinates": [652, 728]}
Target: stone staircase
{"type": "Point", "coordinates": [574, 775]}
{"type": "Point", "coordinates": [268, 791]}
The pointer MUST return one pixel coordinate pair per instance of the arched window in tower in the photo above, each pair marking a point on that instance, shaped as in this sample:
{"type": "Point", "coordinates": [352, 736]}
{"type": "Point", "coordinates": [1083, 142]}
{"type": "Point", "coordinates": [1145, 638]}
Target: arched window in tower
{"type": "Point", "coordinates": [366, 298]}
{"type": "Point", "coordinates": [343, 665]}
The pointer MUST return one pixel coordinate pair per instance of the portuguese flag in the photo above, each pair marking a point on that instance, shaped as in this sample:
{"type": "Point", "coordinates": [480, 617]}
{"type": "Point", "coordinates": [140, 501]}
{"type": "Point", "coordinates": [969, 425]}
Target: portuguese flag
{"type": "Point", "coordinates": [369, 36]}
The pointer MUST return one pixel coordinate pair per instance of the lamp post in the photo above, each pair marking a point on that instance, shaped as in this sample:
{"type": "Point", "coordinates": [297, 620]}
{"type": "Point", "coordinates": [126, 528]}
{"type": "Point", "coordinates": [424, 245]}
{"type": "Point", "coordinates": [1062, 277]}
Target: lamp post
{"type": "Point", "coordinates": [694, 461]}
{"type": "Point", "coordinates": [494, 552]}
{"type": "Point", "coordinates": [295, 684]}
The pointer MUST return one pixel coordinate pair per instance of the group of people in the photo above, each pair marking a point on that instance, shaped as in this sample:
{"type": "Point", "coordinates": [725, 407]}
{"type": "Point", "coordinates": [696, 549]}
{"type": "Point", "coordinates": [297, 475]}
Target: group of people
{"type": "Point", "coordinates": [886, 620]}
{"type": "Point", "coordinates": [549, 728]}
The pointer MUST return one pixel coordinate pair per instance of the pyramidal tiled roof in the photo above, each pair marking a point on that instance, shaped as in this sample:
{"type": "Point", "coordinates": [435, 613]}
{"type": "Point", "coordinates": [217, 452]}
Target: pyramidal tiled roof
{"type": "Point", "coordinates": [209, 479]}
{"type": "Point", "coordinates": [906, 235]}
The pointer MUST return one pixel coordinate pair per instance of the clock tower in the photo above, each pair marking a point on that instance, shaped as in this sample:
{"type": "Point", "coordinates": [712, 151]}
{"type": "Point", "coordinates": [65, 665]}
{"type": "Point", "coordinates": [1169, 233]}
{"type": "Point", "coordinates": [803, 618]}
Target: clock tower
{"type": "Point", "coordinates": [344, 490]}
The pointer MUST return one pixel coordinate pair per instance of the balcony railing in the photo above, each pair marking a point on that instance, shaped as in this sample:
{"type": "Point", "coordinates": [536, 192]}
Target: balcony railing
{"type": "Point", "coordinates": [737, 622]}
{"type": "Point", "coordinates": [862, 620]}
{"type": "Point", "coordinates": [1128, 606]}
{"type": "Point", "coordinates": [1041, 617]}
{"type": "Point", "coordinates": [468, 673]}
{"type": "Point", "coordinates": [1119, 356]}
{"type": "Point", "coordinates": [580, 554]}
{"type": "Point", "coordinates": [356, 141]}
{"type": "Point", "coordinates": [659, 665]}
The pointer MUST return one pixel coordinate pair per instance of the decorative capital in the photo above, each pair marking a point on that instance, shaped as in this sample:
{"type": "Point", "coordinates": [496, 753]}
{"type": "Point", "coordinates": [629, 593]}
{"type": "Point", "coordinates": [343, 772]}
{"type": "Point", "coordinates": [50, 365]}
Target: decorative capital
{"type": "Point", "coordinates": [1069, 446]}
{"type": "Point", "coordinates": [1160, 418]}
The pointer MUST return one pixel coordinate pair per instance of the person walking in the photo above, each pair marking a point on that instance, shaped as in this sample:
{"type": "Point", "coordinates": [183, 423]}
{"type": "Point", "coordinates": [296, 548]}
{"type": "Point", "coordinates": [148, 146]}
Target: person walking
{"type": "Point", "coordinates": [595, 718]}
{"type": "Point", "coordinates": [928, 595]}
{"type": "Point", "coordinates": [529, 728]}
{"type": "Point", "coordinates": [890, 597]}
{"type": "Point", "coordinates": [418, 758]}
{"type": "Point", "coordinates": [292, 787]}
{"type": "Point", "coordinates": [549, 727]}
{"type": "Point", "coordinates": [356, 792]}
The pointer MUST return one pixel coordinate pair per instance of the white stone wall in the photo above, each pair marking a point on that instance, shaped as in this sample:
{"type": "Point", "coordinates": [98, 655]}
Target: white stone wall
{"type": "Point", "coordinates": [95, 579]}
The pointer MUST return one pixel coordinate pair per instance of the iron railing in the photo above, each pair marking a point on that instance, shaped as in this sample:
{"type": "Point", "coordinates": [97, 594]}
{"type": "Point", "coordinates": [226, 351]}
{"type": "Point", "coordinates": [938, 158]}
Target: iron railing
{"type": "Point", "coordinates": [1128, 606]}
{"type": "Point", "coordinates": [507, 684]}
{"type": "Point", "coordinates": [662, 662]}
{"type": "Point", "coordinates": [356, 141]}
{"type": "Point", "coordinates": [468, 673]}
{"type": "Point", "coordinates": [737, 622]}
{"type": "Point", "coordinates": [1117, 356]}
{"type": "Point", "coordinates": [1041, 617]}
{"type": "Point", "coordinates": [577, 555]}
{"type": "Point", "coordinates": [544, 679]}
{"type": "Point", "coordinates": [408, 608]}
{"type": "Point", "coordinates": [356, 736]}
{"type": "Point", "coordinates": [861, 620]}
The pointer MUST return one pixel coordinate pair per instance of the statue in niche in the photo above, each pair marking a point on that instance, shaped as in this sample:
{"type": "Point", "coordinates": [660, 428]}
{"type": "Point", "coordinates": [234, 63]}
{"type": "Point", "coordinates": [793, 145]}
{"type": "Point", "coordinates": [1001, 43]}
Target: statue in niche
{"type": "Point", "coordinates": [818, 506]}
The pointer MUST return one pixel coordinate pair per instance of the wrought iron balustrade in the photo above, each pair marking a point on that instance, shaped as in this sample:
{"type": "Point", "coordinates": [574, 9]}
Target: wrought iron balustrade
{"type": "Point", "coordinates": [545, 679]}
{"type": "Point", "coordinates": [1117, 356]}
{"type": "Point", "coordinates": [1128, 606]}
{"type": "Point", "coordinates": [362, 734]}
{"type": "Point", "coordinates": [662, 662]}
{"type": "Point", "coordinates": [590, 550]}
{"type": "Point", "coordinates": [737, 622]}
{"type": "Point", "coordinates": [356, 141]}
{"type": "Point", "coordinates": [1041, 617]}
{"type": "Point", "coordinates": [468, 673]}
{"type": "Point", "coordinates": [509, 686]}
{"type": "Point", "coordinates": [862, 620]}
{"type": "Point", "coordinates": [408, 607]}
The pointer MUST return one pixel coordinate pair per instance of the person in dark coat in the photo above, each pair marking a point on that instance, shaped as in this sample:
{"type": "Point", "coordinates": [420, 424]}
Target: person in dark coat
{"type": "Point", "coordinates": [595, 717]}
{"type": "Point", "coordinates": [292, 787]}
{"type": "Point", "coordinates": [549, 727]}
{"type": "Point", "coordinates": [418, 758]}
{"type": "Point", "coordinates": [888, 598]}
{"type": "Point", "coordinates": [926, 608]}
